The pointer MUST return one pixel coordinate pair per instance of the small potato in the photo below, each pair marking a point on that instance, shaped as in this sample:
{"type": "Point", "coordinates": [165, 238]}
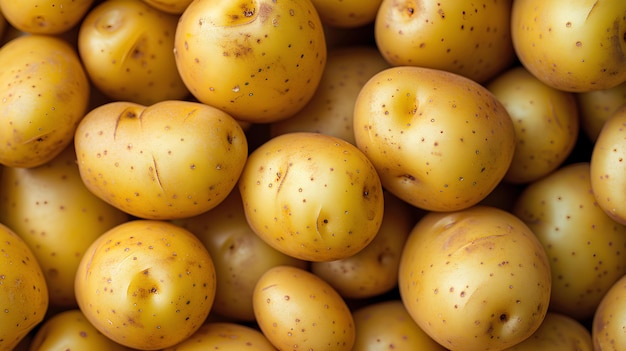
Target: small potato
{"type": "Point", "coordinates": [296, 309]}
{"type": "Point", "coordinates": [44, 95]}
{"type": "Point", "coordinates": [146, 284]}
{"type": "Point", "coordinates": [347, 13]}
{"type": "Point", "coordinates": [388, 325]}
{"type": "Point", "coordinates": [126, 48]}
{"type": "Point", "coordinates": [609, 320]}
{"type": "Point", "coordinates": [173, 159]}
{"type": "Point", "coordinates": [175, 7]}
{"type": "Point", "coordinates": [557, 332]}
{"type": "Point", "coordinates": [70, 330]}
{"type": "Point", "coordinates": [44, 17]}
{"type": "Point", "coordinates": [545, 120]}
{"type": "Point", "coordinates": [584, 245]}
{"type": "Point", "coordinates": [597, 106]}
{"type": "Point", "coordinates": [224, 336]}
{"type": "Point", "coordinates": [312, 196]}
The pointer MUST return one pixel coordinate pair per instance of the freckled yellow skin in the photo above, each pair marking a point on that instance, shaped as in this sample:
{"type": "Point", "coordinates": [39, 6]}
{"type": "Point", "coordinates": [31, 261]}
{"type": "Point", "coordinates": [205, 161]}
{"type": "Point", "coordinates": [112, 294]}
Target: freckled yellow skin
{"type": "Point", "coordinates": [172, 159]}
{"type": "Point", "coordinates": [225, 336]}
{"type": "Point", "coordinates": [23, 290]}
{"type": "Point", "coordinates": [312, 196]}
{"type": "Point", "coordinates": [126, 47]}
{"type": "Point", "coordinates": [44, 17]}
{"type": "Point", "coordinates": [439, 141]}
{"type": "Point", "coordinates": [475, 279]}
{"type": "Point", "coordinates": [297, 310]}
{"type": "Point", "coordinates": [146, 284]}
{"type": "Point", "coordinates": [607, 330]}
{"type": "Point", "coordinates": [44, 94]}
{"type": "Point", "coordinates": [597, 106]}
{"type": "Point", "coordinates": [579, 47]}
{"type": "Point", "coordinates": [584, 245]}
{"type": "Point", "coordinates": [259, 60]}
{"type": "Point", "coordinates": [557, 332]}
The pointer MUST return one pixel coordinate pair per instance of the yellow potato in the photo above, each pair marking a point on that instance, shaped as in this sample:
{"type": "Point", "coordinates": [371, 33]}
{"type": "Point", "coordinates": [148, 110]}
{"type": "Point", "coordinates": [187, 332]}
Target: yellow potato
{"type": "Point", "coordinates": [475, 279]}
{"type": "Point", "coordinates": [146, 284]}
{"type": "Point", "coordinates": [57, 216]}
{"type": "Point", "coordinates": [609, 320]}
{"type": "Point", "coordinates": [126, 48]}
{"type": "Point", "coordinates": [44, 17]}
{"type": "Point", "coordinates": [23, 290]}
{"type": "Point", "coordinates": [44, 96]}
{"type": "Point", "coordinates": [557, 332]}
{"type": "Point", "coordinates": [170, 6]}
{"type": "Point", "coordinates": [545, 120]}
{"type": "Point", "coordinates": [597, 106]}
{"type": "Point", "coordinates": [584, 245]}
{"type": "Point", "coordinates": [172, 159]}
{"type": "Point", "coordinates": [260, 61]}
{"type": "Point", "coordinates": [470, 38]}
{"type": "Point", "coordinates": [312, 196]}
{"type": "Point", "coordinates": [438, 140]}
{"type": "Point", "coordinates": [224, 336]}
{"type": "Point", "coordinates": [347, 13]}
{"type": "Point", "coordinates": [296, 309]}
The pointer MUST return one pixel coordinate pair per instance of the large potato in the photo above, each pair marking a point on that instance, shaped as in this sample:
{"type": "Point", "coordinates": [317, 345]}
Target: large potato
{"type": "Point", "coordinates": [312, 196]}
{"type": "Point", "coordinates": [438, 140]}
{"type": "Point", "coordinates": [146, 284]}
{"type": "Point", "coordinates": [45, 93]}
{"type": "Point", "coordinates": [476, 279]}
{"type": "Point", "coordinates": [173, 159]}
{"type": "Point", "coordinates": [260, 61]}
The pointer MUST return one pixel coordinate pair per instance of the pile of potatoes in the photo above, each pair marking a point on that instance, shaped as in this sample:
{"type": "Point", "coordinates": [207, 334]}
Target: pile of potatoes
{"type": "Point", "coordinates": [312, 175]}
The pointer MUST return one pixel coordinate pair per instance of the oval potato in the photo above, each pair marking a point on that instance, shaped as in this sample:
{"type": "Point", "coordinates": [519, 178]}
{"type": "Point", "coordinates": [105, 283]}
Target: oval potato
{"type": "Point", "coordinates": [557, 332]}
{"type": "Point", "coordinates": [224, 336]}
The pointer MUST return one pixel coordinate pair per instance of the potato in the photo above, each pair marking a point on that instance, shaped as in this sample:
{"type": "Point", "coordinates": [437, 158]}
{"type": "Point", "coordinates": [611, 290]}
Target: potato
{"type": "Point", "coordinates": [439, 141]}
{"type": "Point", "coordinates": [597, 106]}
{"type": "Point", "coordinates": [331, 109]}
{"type": "Point", "coordinates": [172, 159]}
{"type": "Point", "coordinates": [347, 13]}
{"type": "Point", "coordinates": [239, 255]}
{"type": "Point", "coordinates": [23, 290]}
{"type": "Point", "coordinates": [70, 330]}
{"type": "Point", "coordinates": [610, 319]}
{"type": "Point", "coordinates": [545, 120]}
{"type": "Point", "coordinates": [578, 47]}
{"type": "Point", "coordinates": [373, 270]}
{"type": "Point", "coordinates": [584, 245]}
{"type": "Point", "coordinates": [260, 61]}
{"type": "Point", "coordinates": [44, 96]}
{"type": "Point", "coordinates": [475, 279]}
{"type": "Point", "coordinates": [296, 309]}
{"type": "Point", "coordinates": [146, 284]}
{"type": "Point", "coordinates": [57, 216]}
{"type": "Point", "coordinates": [44, 17]}
{"type": "Point", "coordinates": [471, 39]}
{"type": "Point", "coordinates": [387, 325]}
{"type": "Point", "coordinates": [126, 48]}
{"type": "Point", "coordinates": [312, 196]}
{"type": "Point", "coordinates": [224, 336]}
{"type": "Point", "coordinates": [175, 7]}
{"type": "Point", "coordinates": [608, 179]}
{"type": "Point", "coordinates": [557, 332]}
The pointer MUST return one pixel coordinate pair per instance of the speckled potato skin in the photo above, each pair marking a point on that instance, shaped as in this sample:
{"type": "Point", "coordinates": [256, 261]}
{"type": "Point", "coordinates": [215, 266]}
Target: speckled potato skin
{"type": "Point", "coordinates": [126, 48]}
{"type": "Point", "coordinates": [224, 336]}
{"type": "Point", "coordinates": [438, 140]}
{"type": "Point", "coordinates": [557, 332]}
{"type": "Point", "coordinates": [607, 330]}
{"type": "Point", "coordinates": [259, 60]}
{"type": "Point", "coordinates": [465, 37]}
{"type": "Point", "coordinates": [608, 180]}
{"type": "Point", "coordinates": [312, 196]}
{"type": "Point", "coordinates": [146, 284]}
{"type": "Point", "coordinates": [545, 119]}
{"type": "Point", "coordinates": [297, 310]}
{"type": "Point", "coordinates": [172, 159]}
{"type": "Point", "coordinates": [387, 325]}
{"type": "Point", "coordinates": [57, 216]}
{"type": "Point", "coordinates": [347, 13]}
{"type": "Point", "coordinates": [585, 246]}
{"type": "Point", "coordinates": [597, 106]}
{"type": "Point", "coordinates": [70, 330]}
{"type": "Point", "coordinates": [44, 17]}
{"type": "Point", "coordinates": [45, 93]}
{"type": "Point", "coordinates": [476, 279]}
{"type": "Point", "coordinates": [23, 290]}
{"type": "Point", "coordinates": [579, 47]}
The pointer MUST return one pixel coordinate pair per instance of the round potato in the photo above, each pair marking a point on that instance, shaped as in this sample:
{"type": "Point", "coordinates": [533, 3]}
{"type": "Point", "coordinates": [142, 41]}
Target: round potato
{"type": "Point", "coordinates": [609, 320]}
{"type": "Point", "coordinates": [438, 140]}
{"type": "Point", "coordinates": [146, 284]}
{"type": "Point", "coordinates": [260, 61]}
{"type": "Point", "coordinates": [45, 93]}
{"type": "Point", "coordinates": [469, 38]}
{"type": "Point", "coordinates": [347, 13]}
{"type": "Point", "coordinates": [557, 332]}
{"type": "Point", "coordinates": [126, 48]}
{"type": "Point", "coordinates": [173, 159]}
{"type": "Point", "coordinates": [597, 106]}
{"type": "Point", "coordinates": [475, 279]}
{"type": "Point", "coordinates": [312, 196]}
{"type": "Point", "coordinates": [296, 309]}
{"type": "Point", "coordinates": [584, 245]}
{"type": "Point", "coordinates": [545, 120]}
{"type": "Point", "coordinates": [44, 17]}
{"type": "Point", "coordinates": [224, 336]}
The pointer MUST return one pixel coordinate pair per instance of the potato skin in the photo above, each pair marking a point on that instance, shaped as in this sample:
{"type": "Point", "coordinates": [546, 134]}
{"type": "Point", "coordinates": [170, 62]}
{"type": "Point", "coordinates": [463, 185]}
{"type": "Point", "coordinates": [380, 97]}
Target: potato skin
{"type": "Point", "coordinates": [607, 330]}
{"type": "Point", "coordinates": [224, 336]}
{"type": "Point", "coordinates": [44, 17]}
{"type": "Point", "coordinates": [557, 332]}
